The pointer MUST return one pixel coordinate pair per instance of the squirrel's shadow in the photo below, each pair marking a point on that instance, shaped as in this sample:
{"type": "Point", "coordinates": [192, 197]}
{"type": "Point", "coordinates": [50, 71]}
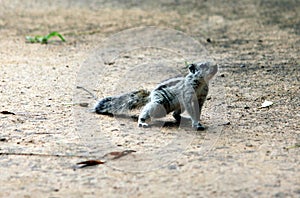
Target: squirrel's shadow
{"type": "Point", "coordinates": [184, 122]}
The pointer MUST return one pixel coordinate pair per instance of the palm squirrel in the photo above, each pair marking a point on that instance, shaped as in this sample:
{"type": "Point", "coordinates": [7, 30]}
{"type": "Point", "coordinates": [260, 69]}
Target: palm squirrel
{"type": "Point", "coordinates": [172, 95]}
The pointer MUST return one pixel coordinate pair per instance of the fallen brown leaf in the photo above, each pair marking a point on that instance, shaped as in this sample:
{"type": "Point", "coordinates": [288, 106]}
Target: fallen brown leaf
{"type": "Point", "coordinates": [7, 112]}
{"type": "Point", "coordinates": [118, 154]}
{"type": "Point", "coordinates": [90, 163]}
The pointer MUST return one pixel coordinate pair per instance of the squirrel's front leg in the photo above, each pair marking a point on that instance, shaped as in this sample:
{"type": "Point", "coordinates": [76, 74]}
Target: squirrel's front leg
{"type": "Point", "coordinates": [197, 106]}
{"type": "Point", "coordinates": [192, 107]}
{"type": "Point", "coordinates": [144, 115]}
{"type": "Point", "coordinates": [151, 110]}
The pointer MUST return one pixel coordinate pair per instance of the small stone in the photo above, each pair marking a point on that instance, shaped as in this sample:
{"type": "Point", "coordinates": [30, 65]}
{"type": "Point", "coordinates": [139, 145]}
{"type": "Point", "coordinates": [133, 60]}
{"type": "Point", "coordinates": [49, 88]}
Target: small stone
{"type": "Point", "coordinates": [172, 167]}
{"type": "Point", "coordinates": [84, 104]}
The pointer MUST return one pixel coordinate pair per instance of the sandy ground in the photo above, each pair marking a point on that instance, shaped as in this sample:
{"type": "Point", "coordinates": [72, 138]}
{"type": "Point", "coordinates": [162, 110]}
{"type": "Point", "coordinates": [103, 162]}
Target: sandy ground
{"type": "Point", "coordinates": [246, 151]}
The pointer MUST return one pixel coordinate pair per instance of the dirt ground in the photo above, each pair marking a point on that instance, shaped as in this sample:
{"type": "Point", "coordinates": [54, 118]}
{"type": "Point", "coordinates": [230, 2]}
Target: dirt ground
{"type": "Point", "coordinates": [246, 151]}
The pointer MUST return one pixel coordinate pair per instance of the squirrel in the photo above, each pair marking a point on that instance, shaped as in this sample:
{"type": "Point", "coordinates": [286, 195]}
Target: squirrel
{"type": "Point", "coordinates": [173, 95]}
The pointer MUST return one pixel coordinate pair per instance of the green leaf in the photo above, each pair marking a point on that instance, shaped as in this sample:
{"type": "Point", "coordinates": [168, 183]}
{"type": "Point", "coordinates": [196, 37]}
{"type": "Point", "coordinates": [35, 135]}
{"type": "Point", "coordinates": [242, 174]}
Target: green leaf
{"type": "Point", "coordinates": [30, 39]}
{"type": "Point", "coordinates": [52, 34]}
{"type": "Point", "coordinates": [40, 39]}
{"type": "Point", "coordinates": [44, 39]}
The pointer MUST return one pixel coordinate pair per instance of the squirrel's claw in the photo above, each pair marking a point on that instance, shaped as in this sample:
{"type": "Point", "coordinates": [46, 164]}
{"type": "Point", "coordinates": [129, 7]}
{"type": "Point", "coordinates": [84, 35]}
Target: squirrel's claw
{"type": "Point", "coordinates": [199, 127]}
{"type": "Point", "coordinates": [142, 124]}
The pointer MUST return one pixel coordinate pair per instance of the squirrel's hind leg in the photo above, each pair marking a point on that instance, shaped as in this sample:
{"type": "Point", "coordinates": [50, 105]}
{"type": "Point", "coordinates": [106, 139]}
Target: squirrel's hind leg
{"type": "Point", "coordinates": [176, 114]}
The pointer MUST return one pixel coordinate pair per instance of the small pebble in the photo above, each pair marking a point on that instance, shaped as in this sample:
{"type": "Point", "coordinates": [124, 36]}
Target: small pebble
{"type": "Point", "coordinates": [3, 140]}
{"type": "Point", "coordinates": [84, 104]}
{"type": "Point", "coordinates": [172, 167]}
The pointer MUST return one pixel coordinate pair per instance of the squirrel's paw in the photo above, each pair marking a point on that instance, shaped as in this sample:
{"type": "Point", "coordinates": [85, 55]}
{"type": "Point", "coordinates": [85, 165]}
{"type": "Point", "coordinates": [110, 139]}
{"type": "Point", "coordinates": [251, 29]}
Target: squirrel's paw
{"type": "Point", "coordinates": [143, 124]}
{"type": "Point", "coordinates": [199, 127]}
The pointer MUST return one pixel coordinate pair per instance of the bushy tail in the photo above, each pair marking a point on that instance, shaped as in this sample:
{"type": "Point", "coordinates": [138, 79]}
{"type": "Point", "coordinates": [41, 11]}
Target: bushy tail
{"type": "Point", "coordinates": [120, 104]}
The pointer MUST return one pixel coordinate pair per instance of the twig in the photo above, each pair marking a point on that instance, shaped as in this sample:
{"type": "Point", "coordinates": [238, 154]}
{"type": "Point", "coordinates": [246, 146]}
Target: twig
{"type": "Point", "coordinates": [79, 87]}
{"type": "Point", "coordinates": [42, 155]}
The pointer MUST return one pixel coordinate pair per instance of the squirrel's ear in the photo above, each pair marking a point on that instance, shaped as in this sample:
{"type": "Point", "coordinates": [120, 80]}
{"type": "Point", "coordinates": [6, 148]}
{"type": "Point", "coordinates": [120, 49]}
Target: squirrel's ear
{"type": "Point", "coordinates": [192, 68]}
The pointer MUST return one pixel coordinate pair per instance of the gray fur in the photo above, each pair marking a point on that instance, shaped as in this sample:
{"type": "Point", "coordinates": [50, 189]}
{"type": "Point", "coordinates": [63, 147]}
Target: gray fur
{"type": "Point", "coordinates": [172, 95]}
{"type": "Point", "coordinates": [122, 103]}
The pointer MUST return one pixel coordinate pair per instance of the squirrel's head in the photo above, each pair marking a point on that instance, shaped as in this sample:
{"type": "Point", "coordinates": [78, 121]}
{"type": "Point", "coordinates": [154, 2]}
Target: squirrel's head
{"type": "Point", "coordinates": [202, 70]}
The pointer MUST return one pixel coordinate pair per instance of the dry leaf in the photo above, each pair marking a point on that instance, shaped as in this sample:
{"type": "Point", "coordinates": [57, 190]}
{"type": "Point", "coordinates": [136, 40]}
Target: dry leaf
{"type": "Point", "coordinates": [109, 156]}
{"type": "Point", "coordinates": [7, 112]}
{"type": "Point", "coordinates": [118, 154]}
{"type": "Point", "coordinates": [90, 163]}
